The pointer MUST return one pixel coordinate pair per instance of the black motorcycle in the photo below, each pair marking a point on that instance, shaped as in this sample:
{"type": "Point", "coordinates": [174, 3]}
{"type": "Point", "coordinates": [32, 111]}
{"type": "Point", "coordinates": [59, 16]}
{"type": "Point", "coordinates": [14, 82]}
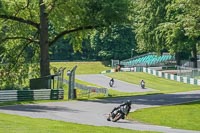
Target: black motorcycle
{"type": "Point", "coordinates": [111, 83]}
{"type": "Point", "coordinates": [118, 114]}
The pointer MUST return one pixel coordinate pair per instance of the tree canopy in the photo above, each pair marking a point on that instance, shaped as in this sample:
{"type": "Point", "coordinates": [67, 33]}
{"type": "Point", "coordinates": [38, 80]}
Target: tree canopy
{"type": "Point", "coordinates": [108, 28]}
{"type": "Point", "coordinates": [116, 43]}
{"type": "Point", "coordinates": [172, 25]}
{"type": "Point", "coordinates": [37, 25]}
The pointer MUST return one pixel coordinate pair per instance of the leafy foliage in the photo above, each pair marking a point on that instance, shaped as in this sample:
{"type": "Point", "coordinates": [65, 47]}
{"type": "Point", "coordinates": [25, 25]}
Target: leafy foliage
{"type": "Point", "coordinates": [114, 43]}
{"type": "Point", "coordinates": [28, 28]}
{"type": "Point", "coordinates": [171, 25]}
{"type": "Point", "coordinates": [149, 15]}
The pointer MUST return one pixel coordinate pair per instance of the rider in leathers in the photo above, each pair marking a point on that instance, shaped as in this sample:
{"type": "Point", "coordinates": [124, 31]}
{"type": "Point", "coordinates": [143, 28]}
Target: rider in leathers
{"type": "Point", "coordinates": [128, 103]}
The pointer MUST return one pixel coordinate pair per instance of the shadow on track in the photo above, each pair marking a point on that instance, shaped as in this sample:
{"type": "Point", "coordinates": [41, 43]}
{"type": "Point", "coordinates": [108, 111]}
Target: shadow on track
{"type": "Point", "coordinates": [38, 108]}
{"type": "Point", "coordinates": [154, 100]}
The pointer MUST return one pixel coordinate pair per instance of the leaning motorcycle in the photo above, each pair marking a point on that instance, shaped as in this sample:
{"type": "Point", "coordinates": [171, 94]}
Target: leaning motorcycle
{"type": "Point", "coordinates": [118, 114]}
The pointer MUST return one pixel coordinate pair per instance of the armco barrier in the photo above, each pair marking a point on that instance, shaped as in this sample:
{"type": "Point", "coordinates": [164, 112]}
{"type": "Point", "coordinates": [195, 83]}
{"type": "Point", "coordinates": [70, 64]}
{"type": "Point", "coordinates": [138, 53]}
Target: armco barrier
{"type": "Point", "coordinates": [186, 80]}
{"type": "Point", "coordinates": [29, 95]}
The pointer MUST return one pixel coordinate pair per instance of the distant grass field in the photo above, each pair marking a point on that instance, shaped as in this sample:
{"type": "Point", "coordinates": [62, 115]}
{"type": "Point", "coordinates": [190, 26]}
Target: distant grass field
{"type": "Point", "coordinates": [95, 67]}
{"type": "Point", "coordinates": [184, 116]}
{"type": "Point", "coordinates": [21, 124]}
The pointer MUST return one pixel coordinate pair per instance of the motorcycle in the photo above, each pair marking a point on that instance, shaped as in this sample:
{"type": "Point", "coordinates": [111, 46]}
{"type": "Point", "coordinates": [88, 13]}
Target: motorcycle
{"type": "Point", "coordinates": [142, 85]}
{"type": "Point", "coordinates": [118, 114]}
{"type": "Point", "coordinates": [111, 83]}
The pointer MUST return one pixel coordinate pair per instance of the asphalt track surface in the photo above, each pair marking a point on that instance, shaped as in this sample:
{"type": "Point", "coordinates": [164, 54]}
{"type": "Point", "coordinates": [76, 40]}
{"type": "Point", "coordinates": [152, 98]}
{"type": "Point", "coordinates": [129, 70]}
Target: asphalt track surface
{"type": "Point", "coordinates": [95, 112]}
{"type": "Point", "coordinates": [102, 80]}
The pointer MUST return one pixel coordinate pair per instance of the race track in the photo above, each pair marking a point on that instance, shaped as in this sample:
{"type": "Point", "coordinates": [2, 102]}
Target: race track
{"type": "Point", "coordinates": [95, 112]}
{"type": "Point", "coordinates": [102, 80]}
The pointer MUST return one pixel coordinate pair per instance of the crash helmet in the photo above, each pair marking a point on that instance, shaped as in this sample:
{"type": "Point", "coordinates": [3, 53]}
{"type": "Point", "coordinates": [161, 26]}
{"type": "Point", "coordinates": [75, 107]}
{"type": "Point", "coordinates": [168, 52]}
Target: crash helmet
{"type": "Point", "coordinates": [128, 102]}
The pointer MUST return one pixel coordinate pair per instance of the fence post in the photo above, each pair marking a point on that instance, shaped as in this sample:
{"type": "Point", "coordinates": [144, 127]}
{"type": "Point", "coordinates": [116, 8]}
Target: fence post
{"type": "Point", "coordinates": [71, 92]}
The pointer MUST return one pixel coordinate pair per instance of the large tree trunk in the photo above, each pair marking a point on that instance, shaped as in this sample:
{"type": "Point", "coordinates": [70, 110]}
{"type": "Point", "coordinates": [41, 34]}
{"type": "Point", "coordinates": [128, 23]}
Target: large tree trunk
{"type": "Point", "coordinates": [44, 44]}
{"type": "Point", "coordinates": [194, 55]}
{"type": "Point", "coordinates": [177, 58]}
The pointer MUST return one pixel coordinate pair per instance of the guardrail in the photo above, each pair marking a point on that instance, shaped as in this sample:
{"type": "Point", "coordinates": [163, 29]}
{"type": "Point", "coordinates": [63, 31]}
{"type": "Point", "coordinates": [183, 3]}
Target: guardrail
{"type": "Point", "coordinates": [91, 89]}
{"type": "Point", "coordinates": [29, 95]}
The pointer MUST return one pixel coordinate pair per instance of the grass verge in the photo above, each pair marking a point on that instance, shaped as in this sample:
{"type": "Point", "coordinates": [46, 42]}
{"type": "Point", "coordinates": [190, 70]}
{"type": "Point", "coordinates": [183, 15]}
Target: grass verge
{"type": "Point", "coordinates": [183, 116]}
{"type": "Point", "coordinates": [20, 124]}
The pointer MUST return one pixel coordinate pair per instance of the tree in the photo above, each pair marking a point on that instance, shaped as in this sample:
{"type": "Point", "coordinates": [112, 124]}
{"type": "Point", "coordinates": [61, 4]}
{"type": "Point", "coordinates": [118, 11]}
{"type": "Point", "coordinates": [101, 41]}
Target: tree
{"type": "Point", "coordinates": [115, 43]}
{"type": "Point", "coordinates": [61, 50]}
{"type": "Point", "coordinates": [182, 27]}
{"type": "Point", "coordinates": [26, 22]}
{"type": "Point", "coordinates": [149, 15]}
{"type": "Point", "coordinates": [168, 24]}
{"type": "Point", "coordinates": [191, 23]}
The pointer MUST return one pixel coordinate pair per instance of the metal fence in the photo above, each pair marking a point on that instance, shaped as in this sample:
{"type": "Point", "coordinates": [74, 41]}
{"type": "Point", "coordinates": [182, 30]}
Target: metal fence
{"type": "Point", "coordinates": [87, 90]}
{"type": "Point", "coordinates": [188, 72]}
{"type": "Point", "coordinates": [29, 95]}
{"type": "Point", "coordinates": [48, 82]}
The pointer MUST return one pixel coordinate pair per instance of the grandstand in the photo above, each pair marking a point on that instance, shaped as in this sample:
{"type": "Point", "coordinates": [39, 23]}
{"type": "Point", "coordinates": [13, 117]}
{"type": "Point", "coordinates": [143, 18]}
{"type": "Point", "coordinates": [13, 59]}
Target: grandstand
{"type": "Point", "coordinates": [146, 60]}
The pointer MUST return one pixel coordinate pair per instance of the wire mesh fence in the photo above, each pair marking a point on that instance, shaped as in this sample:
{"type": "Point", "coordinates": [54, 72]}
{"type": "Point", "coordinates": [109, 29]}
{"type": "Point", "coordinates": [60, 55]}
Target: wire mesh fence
{"type": "Point", "coordinates": [188, 72]}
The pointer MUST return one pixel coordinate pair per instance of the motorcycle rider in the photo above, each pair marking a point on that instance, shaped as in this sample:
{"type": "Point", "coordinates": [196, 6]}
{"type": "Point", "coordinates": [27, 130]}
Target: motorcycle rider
{"type": "Point", "coordinates": [112, 114]}
{"type": "Point", "coordinates": [142, 83]}
{"type": "Point", "coordinates": [111, 83]}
